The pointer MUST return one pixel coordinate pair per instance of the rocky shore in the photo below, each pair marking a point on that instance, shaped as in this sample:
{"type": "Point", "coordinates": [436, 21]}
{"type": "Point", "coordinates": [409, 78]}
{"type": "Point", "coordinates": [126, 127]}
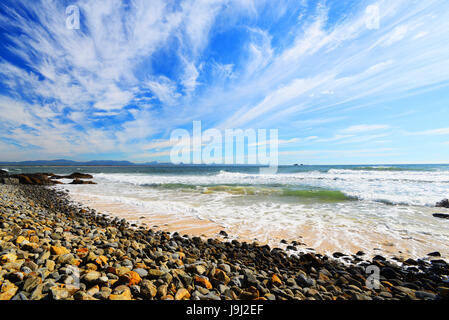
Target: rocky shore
{"type": "Point", "coordinates": [42, 179]}
{"type": "Point", "coordinates": [51, 248]}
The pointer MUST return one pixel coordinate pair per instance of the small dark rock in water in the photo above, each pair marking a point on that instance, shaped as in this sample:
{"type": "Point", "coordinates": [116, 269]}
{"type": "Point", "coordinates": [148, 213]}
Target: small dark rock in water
{"type": "Point", "coordinates": [438, 262]}
{"type": "Point", "coordinates": [434, 254]}
{"type": "Point", "coordinates": [75, 175]}
{"type": "Point", "coordinates": [443, 204]}
{"type": "Point", "coordinates": [223, 233]}
{"type": "Point", "coordinates": [338, 255]}
{"type": "Point", "coordinates": [360, 253]}
{"type": "Point", "coordinates": [411, 262]}
{"type": "Point", "coordinates": [284, 241]}
{"type": "Point", "coordinates": [441, 215]}
{"type": "Point", "coordinates": [78, 181]}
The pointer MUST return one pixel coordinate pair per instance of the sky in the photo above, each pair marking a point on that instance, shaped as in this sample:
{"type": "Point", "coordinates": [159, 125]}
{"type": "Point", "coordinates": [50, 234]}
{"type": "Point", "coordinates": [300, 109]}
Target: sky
{"type": "Point", "coordinates": [343, 81]}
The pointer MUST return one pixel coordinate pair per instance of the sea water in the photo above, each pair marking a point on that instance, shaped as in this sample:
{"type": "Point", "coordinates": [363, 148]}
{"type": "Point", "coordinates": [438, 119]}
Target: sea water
{"type": "Point", "coordinates": [387, 208]}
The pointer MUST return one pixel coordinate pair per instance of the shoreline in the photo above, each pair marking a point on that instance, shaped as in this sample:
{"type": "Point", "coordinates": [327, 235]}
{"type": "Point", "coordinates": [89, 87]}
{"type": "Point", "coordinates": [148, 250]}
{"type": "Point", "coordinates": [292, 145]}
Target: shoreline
{"type": "Point", "coordinates": [303, 239]}
{"type": "Point", "coordinates": [42, 233]}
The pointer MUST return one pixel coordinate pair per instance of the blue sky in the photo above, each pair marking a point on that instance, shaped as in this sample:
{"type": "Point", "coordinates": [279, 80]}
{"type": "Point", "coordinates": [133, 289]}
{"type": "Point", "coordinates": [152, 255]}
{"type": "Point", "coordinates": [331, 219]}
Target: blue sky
{"type": "Point", "coordinates": [339, 89]}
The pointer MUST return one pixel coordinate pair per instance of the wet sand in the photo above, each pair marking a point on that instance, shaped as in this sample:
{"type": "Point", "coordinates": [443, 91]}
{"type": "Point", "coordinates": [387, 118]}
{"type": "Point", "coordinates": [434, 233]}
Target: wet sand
{"type": "Point", "coordinates": [166, 222]}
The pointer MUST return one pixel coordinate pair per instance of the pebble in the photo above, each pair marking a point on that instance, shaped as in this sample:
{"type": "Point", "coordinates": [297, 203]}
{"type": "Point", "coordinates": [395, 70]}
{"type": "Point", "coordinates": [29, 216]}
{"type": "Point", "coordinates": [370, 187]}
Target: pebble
{"type": "Point", "coordinates": [182, 294]}
{"type": "Point", "coordinates": [434, 254]}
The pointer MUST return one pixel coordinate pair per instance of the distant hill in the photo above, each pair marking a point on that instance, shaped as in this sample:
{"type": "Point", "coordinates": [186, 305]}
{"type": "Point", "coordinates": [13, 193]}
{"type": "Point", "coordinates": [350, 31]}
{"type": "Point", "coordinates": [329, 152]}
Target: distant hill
{"type": "Point", "coordinates": [71, 163]}
{"type": "Point", "coordinates": [63, 162]}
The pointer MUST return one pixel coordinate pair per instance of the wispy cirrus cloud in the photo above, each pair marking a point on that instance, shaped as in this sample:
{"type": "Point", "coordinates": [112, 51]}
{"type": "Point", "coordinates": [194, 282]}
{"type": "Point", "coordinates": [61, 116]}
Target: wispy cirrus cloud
{"type": "Point", "coordinates": [432, 132]}
{"type": "Point", "coordinates": [138, 69]}
{"type": "Point", "coordinates": [365, 128]}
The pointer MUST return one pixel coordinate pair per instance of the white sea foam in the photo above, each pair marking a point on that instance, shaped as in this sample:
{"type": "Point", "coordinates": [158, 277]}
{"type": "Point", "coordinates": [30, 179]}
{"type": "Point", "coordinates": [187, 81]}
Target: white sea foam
{"type": "Point", "coordinates": [395, 187]}
{"type": "Point", "coordinates": [345, 223]}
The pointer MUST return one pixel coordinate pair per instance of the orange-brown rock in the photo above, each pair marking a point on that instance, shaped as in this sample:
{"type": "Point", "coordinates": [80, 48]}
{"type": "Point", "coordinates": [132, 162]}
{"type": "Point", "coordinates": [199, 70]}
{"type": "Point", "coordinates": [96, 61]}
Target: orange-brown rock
{"type": "Point", "coordinates": [20, 239]}
{"type": "Point", "coordinates": [91, 266]}
{"type": "Point", "coordinates": [120, 271]}
{"type": "Point", "coordinates": [8, 258]}
{"type": "Point", "coordinates": [221, 276]}
{"type": "Point", "coordinates": [182, 294]}
{"type": "Point", "coordinates": [101, 261]}
{"type": "Point", "coordinates": [121, 293]}
{"type": "Point", "coordinates": [34, 239]}
{"type": "Point", "coordinates": [82, 252]}
{"type": "Point", "coordinates": [181, 255]}
{"type": "Point", "coordinates": [276, 280]}
{"type": "Point", "coordinates": [8, 290]}
{"type": "Point", "coordinates": [179, 263]}
{"type": "Point", "coordinates": [33, 178]}
{"type": "Point", "coordinates": [141, 265]}
{"type": "Point", "coordinates": [59, 250]}
{"type": "Point", "coordinates": [131, 278]}
{"type": "Point", "coordinates": [201, 281]}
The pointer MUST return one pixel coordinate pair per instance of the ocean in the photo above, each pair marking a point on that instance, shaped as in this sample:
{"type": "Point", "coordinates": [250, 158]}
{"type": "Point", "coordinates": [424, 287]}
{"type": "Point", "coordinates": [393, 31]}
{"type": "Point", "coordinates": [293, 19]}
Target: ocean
{"type": "Point", "coordinates": [374, 208]}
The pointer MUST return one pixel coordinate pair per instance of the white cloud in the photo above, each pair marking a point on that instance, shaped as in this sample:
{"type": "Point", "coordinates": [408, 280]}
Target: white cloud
{"type": "Point", "coordinates": [200, 15]}
{"type": "Point", "coordinates": [432, 132]}
{"type": "Point", "coordinates": [316, 122]}
{"type": "Point", "coordinates": [15, 112]}
{"type": "Point", "coordinates": [395, 36]}
{"type": "Point", "coordinates": [260, 51]}
{"type": "Point", "coordinates": [113, 98]}
{"type": "Point", "coordinates": [350, 153]}
{"type": "Point", "coordinates": [336, 137]}
{"type": "Point", "coordinates": [365, 138]}
{"type": "Point", "coordinates": [164, 89]}
{"type": "Point", "coordinates": [223, 71]}
{"type": "Point", "coordinates": [421, 34]}
{"type": "Point", "coordinates": [365, 128]}
{"type": "Point", "coordinates": [189, 79]}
